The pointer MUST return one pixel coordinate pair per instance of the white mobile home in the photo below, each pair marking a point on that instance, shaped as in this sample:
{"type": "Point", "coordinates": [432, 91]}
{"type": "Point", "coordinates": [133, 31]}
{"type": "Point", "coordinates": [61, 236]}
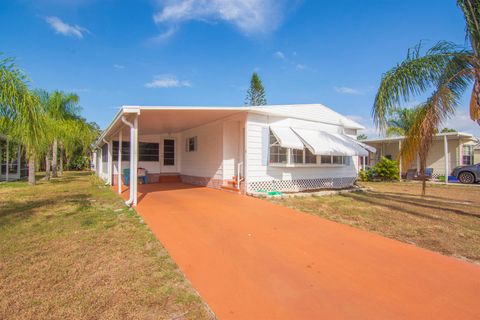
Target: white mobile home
{"type": "Point", "coordinates": [284, 147]}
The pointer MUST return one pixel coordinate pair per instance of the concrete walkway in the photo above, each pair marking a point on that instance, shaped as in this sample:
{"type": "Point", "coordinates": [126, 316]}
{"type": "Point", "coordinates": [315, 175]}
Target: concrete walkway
{"type": "Point", "coordinates": [251, 259]}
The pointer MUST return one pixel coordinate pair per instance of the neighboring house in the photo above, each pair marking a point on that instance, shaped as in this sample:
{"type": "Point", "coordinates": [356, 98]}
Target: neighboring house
{"type": "Point", "coordinates": [459, 147]}
{"type": "Point", "coordinates": [11, 155]}
{"type": "Point", "coordinates": [476, 154]}
{"type": "Point", "coordinates": [251, 149]}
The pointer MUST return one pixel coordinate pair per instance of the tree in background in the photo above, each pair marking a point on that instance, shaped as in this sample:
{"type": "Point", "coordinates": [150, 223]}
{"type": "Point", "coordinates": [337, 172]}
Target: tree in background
{"type": "Point", "coordinates": [42, 122]}
{"type": "Point", "coordinates": [400, 121]}
{"type": "Point", "coordinates": [362, 137]}
{"type": "Point", "coordinates": [445, 71]}
{"type": "Point", "coordinates": [256, 92]}
{"type": "Point", "coordinates": [446, 130]}
{"type": "Point", "coordinates": [21, 117]}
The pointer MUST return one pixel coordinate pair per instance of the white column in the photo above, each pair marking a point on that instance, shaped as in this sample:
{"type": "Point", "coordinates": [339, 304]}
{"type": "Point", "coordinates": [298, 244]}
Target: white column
{"type": "Point", "coordinates": [6, 161]}
{"type": "Point", "coordinates": [400, 158]}
{"type": "Point", "coordinates": [110, 162]}
{"type": "Point", "coordinates": [135, 158]}
{"type": "Point", "coordinates": [119, 165]}
{"type": "Point", "coordinates": [445, 147]}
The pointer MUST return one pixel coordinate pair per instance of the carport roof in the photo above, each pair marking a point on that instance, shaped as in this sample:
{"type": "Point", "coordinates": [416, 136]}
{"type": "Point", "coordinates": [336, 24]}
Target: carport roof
{"type": "Point", "coordinates": [169, 119]}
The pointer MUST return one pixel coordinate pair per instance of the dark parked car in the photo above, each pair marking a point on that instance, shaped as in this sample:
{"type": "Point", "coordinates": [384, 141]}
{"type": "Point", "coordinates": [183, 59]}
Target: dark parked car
{"type": "Point", "coordinates": [467, 174]}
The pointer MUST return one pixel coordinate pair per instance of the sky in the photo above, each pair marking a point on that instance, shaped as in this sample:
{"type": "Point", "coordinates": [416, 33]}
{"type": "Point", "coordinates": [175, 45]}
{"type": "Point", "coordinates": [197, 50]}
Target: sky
{"type": "Point", "coordinates": [203, 52]}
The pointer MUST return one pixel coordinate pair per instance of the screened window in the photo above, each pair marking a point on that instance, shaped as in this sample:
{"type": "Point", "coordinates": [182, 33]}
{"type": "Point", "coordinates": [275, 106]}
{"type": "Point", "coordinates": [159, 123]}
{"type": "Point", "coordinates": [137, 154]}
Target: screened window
{"type": "Point", "coordinates": [277, 153]}
{"type": "Point", "coordinates": [191, 144]}
{"type": "Point", "coordinates": [168, 152]}
{"type": "Point", "coordinates": [338, 160]}
{"type": "Point", "coordinates": [467, 158]}
{"type": "Point", "coordinates": [125, 150]}
{"type": "Point", "coordinates": [148, 151]}
{"type": "Point", "coordinates": [296, 156]}
{"type": "Point", "coordinates": [310, 158]}
{"type": "Point", "coordinates": [326, 159]}
{"type": "Point", "coordinates": [105, 153]}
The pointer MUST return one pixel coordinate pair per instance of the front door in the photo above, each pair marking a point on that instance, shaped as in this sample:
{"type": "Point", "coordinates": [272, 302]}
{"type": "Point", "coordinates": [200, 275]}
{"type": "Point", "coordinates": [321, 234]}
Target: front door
{"type": "Point", "coordinates": [169, 159]}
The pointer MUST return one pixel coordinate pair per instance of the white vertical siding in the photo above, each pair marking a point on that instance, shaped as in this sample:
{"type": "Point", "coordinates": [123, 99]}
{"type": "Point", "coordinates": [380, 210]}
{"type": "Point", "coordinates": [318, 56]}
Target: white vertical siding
{"type": "Point", "coordinates": [231, 141]}
{"type": "Point", "coordinates": [207, 160]}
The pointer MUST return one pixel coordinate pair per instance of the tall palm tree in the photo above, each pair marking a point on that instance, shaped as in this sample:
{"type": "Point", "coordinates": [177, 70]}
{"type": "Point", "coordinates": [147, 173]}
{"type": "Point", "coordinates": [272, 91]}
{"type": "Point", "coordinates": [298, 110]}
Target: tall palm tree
{"type": "Point", "coordinates": [400, 122]}
{"type": "Point", "coordinates": [445, 71]}
{"type": "Point", "coordinates": [60, 108]}
{"type": "Point", "coordinates": [20, 113]}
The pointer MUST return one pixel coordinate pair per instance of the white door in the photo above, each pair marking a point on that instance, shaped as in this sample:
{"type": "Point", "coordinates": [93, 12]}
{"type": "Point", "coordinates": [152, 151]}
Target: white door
{"type": "Point", "coordinates": [168, 159]}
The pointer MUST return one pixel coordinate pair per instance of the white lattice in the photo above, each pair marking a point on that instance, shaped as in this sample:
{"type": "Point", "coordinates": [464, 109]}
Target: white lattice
{"type": "Point", "coordinates": [300, 184]}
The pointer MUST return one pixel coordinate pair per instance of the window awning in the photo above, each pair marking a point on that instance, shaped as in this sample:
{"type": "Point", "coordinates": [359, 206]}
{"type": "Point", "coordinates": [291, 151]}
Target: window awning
{"type": "Point", "coordinates": [334, 144]}
{"type": "Point", "coordinates": [287, 138]}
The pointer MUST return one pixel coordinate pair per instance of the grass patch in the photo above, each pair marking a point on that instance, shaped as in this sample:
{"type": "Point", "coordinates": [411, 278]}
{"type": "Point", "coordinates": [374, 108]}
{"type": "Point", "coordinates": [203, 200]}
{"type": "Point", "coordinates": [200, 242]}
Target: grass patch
{"type": "Point", "coordinates": [447, 220]}
{"type": "Point", "coordinates": [70, 249]}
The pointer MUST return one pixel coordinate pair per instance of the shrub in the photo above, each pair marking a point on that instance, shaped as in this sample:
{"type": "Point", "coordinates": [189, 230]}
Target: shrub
{"type": "Point", "coordinates": [387, 169]}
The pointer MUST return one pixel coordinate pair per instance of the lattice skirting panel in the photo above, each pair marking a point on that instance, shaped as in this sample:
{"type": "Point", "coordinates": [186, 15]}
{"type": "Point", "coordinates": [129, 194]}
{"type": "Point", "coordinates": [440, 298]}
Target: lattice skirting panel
{"type": "Point", "coordinates": [301, 184]}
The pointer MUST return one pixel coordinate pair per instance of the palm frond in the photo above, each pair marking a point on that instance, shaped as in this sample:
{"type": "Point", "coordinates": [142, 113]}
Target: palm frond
{"type": "Point", "coordinates": [414, 76]}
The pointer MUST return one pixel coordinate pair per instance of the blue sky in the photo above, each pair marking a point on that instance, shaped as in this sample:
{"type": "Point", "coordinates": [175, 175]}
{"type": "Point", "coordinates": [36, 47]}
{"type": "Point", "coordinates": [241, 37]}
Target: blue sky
{"type": "Point", "coordinates": [200, 52]}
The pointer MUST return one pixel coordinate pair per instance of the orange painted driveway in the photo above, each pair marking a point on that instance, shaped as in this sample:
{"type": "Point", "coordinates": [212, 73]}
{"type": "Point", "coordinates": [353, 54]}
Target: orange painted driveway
{"type": "Point", "coordinates": [251, 259]}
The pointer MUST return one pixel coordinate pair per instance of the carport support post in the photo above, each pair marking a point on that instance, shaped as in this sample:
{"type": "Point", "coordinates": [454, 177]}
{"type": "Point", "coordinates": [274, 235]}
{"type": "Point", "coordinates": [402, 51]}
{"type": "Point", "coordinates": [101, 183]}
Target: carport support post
{"type": "Point", "coordinates": [135, 158]}
{"type": "Point", "coordinates": [445, 147]}
{"type": "Point", "coordinates": [119, 166]}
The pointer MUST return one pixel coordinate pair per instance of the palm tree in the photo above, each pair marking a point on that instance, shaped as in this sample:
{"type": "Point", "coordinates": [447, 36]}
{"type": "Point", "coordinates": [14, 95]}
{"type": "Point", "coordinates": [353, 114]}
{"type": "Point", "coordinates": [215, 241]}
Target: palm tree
{"type": "Point", "coordinates": [20, 113]}
{"type": "Point", "coordinates": [445, 71]}
{"type": "Point", "coordinates": [61, 110]}
{"type": "Point", "coordinates": [400, 121]}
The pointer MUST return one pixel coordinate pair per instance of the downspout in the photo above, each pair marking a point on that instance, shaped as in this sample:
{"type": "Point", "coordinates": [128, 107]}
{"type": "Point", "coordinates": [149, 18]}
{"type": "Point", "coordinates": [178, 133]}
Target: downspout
{"type": "Point", "coordinates": [132, 137]}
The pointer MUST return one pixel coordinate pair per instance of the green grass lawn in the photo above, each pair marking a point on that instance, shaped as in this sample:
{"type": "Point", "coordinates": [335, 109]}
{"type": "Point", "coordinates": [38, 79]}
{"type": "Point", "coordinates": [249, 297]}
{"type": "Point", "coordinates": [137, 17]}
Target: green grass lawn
{"type": "Point", "coordinates": [447, 220]}
{"type": "Point", "coordinates": [70, 249]}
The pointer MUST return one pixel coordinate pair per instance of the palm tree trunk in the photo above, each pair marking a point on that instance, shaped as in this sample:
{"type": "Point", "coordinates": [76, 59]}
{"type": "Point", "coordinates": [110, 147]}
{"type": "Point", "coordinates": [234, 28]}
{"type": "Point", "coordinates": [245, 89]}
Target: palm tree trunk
{"type": "Point", "coordinates": [61, 160]}
{"type": "Point", "coordinates": [47, 167]}
{"type": "Point", "coordinates": [31, 168]}
{"type": "Point", "coordinates": [423, 164]}
{"type": "Point", "coordinates": [54, 157]}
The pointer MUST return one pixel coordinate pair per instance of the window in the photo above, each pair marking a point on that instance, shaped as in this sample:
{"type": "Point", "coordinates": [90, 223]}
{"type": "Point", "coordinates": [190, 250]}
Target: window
{"type": "Point", "coordinates": [105, 153]}
{"type": "Point", "coordinates": [326, 159]}
{"type": "Point", "coordinates": [296, 156]}
{"type": "Point", "coordinates": [125, 150]}
{"type": "Point", "coordinates": [338, 160]}
{"type": "Point", "coordinates": [168, 152]}
{"type": "Point", "coordinates": [148, 151]}
{"type": "Point", "coordinates": [277, 153]}
{"type": "Point", "coordinates": [467, 158]}
{"type": "Point", "coordinates": [310, 158]}
{"type": "Point", "coordinates": [191, 144]}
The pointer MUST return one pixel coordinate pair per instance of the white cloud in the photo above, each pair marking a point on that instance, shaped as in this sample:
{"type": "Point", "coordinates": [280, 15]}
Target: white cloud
{"type": "Point", "coordinates": [119, 66]}
{"type": "Point", "coordinates": [280, 55]}
{"type": "Point", "coordinates": [300, 66]}
{"type": "Point", "coordinates": [167, 81]}
{"type": "Point", "coordinates": [289, 61]}
{"type": "Point", "coordinates": [64, 28]}
{"type": "Point", "coordinates": [250, 16]}
{"type": "Point", "coordinates": [348, 90]}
